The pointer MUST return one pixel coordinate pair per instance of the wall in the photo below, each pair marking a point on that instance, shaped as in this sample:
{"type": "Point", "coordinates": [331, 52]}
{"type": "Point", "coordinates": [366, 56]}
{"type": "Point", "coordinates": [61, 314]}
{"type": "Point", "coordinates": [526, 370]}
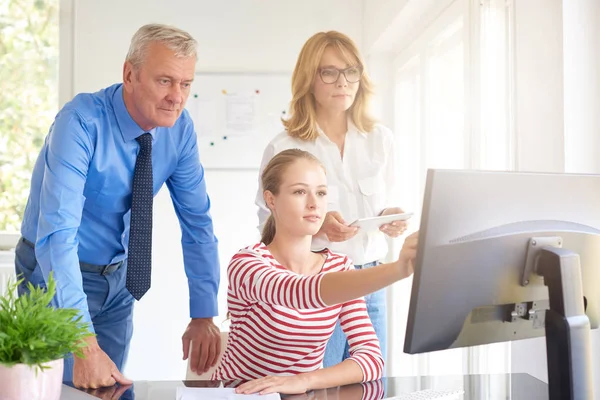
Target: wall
{"type": "Point", "coordinates": [233, 35]}
{"type": "Point", "coordinates": [539, 85]}
{"type": "Point", "coordinates": [381, 70]}
{"type": "Point", "coordinates": [379, 19]}
{"type": "Point", "coordinates": [390, 25]}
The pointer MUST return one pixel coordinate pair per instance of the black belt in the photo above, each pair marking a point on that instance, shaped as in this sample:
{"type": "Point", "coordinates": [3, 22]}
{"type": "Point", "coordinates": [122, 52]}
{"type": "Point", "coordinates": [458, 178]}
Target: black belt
{"type": "Point", "coordinates": [87, 267]}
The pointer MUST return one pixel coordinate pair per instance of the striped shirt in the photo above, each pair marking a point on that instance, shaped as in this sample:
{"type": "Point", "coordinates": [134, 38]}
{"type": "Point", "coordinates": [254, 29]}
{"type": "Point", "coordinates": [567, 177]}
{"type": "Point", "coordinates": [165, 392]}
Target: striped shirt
{"type": "Point", "coordinates": [280, 325]}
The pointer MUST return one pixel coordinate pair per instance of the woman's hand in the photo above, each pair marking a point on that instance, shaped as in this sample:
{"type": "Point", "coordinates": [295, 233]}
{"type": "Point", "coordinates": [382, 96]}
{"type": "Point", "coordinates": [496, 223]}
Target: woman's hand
{"type": "Point", "coordinates": [275, 384]}
{"type": "Point", "coordinates": [408, 253]}
{"type": "Point", "coordinates": [394, 228]}
{"type": "Point", "coordinates": [335, 228]}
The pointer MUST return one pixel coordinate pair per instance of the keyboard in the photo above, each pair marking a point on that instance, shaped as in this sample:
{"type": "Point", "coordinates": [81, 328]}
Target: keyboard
{"type": "Point", "coordinates": [430, 394]}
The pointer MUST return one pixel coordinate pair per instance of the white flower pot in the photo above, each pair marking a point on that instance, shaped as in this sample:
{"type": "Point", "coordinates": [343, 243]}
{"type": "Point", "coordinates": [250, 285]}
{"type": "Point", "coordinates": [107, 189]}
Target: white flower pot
{"type": "Point", "coordinates": [21, 382]}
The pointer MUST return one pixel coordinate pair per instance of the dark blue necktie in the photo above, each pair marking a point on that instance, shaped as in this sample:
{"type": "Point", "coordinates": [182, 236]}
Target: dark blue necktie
{"type": "Point", "coordinates": [139, 259]}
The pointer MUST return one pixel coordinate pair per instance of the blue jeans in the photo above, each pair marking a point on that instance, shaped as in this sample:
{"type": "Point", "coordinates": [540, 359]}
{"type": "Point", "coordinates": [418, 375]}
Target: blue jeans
{"type": "Point", "coordinates": [110, 305]}
{"type": "Point", "coordinates": [337, 349]}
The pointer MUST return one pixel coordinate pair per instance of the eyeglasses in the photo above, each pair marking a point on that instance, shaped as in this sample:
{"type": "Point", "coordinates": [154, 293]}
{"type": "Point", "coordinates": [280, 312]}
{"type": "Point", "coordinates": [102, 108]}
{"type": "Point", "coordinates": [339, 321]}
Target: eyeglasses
{"type": "Point", "coordinates": [331, 75]}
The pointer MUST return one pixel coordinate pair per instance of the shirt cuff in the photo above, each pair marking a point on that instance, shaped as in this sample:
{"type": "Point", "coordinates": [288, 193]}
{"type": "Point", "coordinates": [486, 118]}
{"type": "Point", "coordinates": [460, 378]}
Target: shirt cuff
{"type": "Point", "coordinates": [87, 319]}
{"type": "Point", "coordinates": [371, 369]}
{"type": "Point", "coordinates": [81, 307]}
{"type": "Point", "coordinates": [317, 284]}
{"type": "Point", "coordinates": [203, 306]}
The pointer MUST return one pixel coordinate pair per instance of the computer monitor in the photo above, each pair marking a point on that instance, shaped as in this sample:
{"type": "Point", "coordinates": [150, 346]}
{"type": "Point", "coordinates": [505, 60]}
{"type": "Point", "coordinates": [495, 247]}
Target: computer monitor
{"type": "Point", "coordinates": [489, 244]}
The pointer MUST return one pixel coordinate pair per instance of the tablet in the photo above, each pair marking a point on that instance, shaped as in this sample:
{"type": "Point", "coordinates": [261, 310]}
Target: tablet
{"type": "Point", "coordinates": [373, 223]}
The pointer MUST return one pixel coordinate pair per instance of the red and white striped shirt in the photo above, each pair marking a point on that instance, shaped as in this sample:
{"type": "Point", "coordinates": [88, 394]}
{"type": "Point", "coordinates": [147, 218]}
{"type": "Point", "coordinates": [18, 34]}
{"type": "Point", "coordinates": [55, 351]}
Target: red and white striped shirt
{"type": "Point", "coordinates": [280, 325]}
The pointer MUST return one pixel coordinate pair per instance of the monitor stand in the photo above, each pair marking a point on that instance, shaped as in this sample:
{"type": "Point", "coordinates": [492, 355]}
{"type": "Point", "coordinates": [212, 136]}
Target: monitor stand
{"type": "Point", "coordinates": [568, 343]}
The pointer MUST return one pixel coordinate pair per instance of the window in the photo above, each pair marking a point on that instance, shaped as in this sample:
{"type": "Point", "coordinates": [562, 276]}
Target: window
{"type": "Point", "coordinates": [453, 109]}
{"type": "Point", "coordinates": [28, 97]}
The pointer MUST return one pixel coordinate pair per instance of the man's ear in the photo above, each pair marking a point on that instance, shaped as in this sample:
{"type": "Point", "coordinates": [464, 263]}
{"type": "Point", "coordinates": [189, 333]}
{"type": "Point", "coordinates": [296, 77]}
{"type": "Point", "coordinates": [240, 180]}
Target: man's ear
{"type": "Point", "coordinates": [269, 200]}
{"type": "Point", "coordinates": [128, 74]}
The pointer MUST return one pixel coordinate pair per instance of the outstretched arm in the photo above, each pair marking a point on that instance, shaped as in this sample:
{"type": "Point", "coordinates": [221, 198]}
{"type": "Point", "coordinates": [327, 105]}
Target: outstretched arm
{"type": "Point", "coordinates": [340, 287]}
{"type": "Point", "coordinates": [252, 278]}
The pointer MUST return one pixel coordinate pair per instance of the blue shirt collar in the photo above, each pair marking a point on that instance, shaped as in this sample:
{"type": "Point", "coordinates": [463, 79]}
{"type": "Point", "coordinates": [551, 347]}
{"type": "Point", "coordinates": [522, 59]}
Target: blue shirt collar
{"type": "Point", "coordinates": [129, 128]}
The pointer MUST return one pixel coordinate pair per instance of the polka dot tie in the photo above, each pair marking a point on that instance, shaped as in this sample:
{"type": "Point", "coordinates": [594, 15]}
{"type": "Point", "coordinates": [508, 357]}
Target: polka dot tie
{"type": "Point", "coordinates": [139, 259]}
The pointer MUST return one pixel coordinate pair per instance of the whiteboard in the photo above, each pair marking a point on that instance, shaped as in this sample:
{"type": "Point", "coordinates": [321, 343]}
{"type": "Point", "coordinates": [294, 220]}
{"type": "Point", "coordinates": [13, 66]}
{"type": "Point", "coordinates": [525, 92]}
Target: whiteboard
{"type": "Point", "coordinates": [236, 115]}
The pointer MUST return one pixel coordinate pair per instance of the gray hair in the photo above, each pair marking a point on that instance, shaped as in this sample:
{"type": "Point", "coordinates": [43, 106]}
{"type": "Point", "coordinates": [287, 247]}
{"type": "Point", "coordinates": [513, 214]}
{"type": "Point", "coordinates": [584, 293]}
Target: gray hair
{"type": "Point", "coordinates": [181, 42]}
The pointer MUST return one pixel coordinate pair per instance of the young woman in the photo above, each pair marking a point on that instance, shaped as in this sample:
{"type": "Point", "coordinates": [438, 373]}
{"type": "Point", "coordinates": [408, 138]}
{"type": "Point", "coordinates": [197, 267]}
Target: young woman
{"type": "Point", "coordinates": [285, 300]}
{"type": "Point", "coordinates": [330, 94]}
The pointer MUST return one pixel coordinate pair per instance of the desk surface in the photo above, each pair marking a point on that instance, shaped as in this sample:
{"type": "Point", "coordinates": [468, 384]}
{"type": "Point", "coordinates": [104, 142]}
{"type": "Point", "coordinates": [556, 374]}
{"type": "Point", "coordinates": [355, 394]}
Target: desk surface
{"type": "Point", "coordinates": [490, 387]}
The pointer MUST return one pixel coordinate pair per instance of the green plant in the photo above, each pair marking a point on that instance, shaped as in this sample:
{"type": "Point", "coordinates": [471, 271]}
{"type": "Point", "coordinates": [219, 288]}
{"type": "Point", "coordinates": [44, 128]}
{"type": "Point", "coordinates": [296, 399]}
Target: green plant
{"type": "Point", "coordinates": [32, 332]}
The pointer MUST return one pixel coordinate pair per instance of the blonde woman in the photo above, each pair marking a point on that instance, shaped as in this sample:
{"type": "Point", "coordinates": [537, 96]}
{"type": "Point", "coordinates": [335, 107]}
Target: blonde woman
{"type": "Point", "coordinates": [285, 300]}
{"type": "Point", "coordinates": [331, 90]}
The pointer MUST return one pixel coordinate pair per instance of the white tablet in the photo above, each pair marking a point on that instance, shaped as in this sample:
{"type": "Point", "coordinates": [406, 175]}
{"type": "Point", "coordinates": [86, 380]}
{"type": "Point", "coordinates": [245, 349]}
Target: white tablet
{"type": "Point", "coordinates": [373, 223]}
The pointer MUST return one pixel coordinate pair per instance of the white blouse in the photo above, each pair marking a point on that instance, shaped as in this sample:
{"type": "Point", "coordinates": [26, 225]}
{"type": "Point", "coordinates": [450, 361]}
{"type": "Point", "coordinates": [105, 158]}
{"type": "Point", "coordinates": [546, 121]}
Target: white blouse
{"type": "Point", "coordinates": [360, 185]}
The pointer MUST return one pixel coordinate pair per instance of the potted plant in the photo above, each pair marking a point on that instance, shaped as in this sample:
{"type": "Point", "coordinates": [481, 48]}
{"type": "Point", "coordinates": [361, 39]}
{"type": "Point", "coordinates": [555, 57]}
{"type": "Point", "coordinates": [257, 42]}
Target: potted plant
{"type": "Point", "coordinates": [34, 339]}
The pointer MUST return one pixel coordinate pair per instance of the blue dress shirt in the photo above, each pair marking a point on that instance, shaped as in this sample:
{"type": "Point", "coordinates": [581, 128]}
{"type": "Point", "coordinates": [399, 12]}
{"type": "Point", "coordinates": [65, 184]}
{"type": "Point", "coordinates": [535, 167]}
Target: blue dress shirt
{"type": "Point", "coordinates": [79, 205]}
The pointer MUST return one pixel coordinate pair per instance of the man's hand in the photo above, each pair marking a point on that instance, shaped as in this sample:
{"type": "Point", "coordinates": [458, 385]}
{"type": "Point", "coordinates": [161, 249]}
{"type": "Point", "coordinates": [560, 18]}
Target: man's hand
{"type": "Point", "coordinates": [203, 336]}
{"type": "Point", "coordinates": [395, 228]}
{"type": "Point", "coordinates": [112, 393]}
{"type": "Point", "coordinates": [335, 228]}
{"type": "Point", "coordinates": [96, 370]}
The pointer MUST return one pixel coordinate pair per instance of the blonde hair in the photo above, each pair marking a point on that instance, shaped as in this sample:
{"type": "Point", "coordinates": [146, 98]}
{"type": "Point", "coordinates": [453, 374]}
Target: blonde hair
{"type": "Point", "coordinates": [181, 42]}
{"type": "Point", "coordinates": [302, 123]}
{"type": "Point", "coordinates": [271, 181]}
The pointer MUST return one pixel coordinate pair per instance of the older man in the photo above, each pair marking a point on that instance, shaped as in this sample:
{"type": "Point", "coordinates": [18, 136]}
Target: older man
{"type": "Point", "coordinates": [89, 215]}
